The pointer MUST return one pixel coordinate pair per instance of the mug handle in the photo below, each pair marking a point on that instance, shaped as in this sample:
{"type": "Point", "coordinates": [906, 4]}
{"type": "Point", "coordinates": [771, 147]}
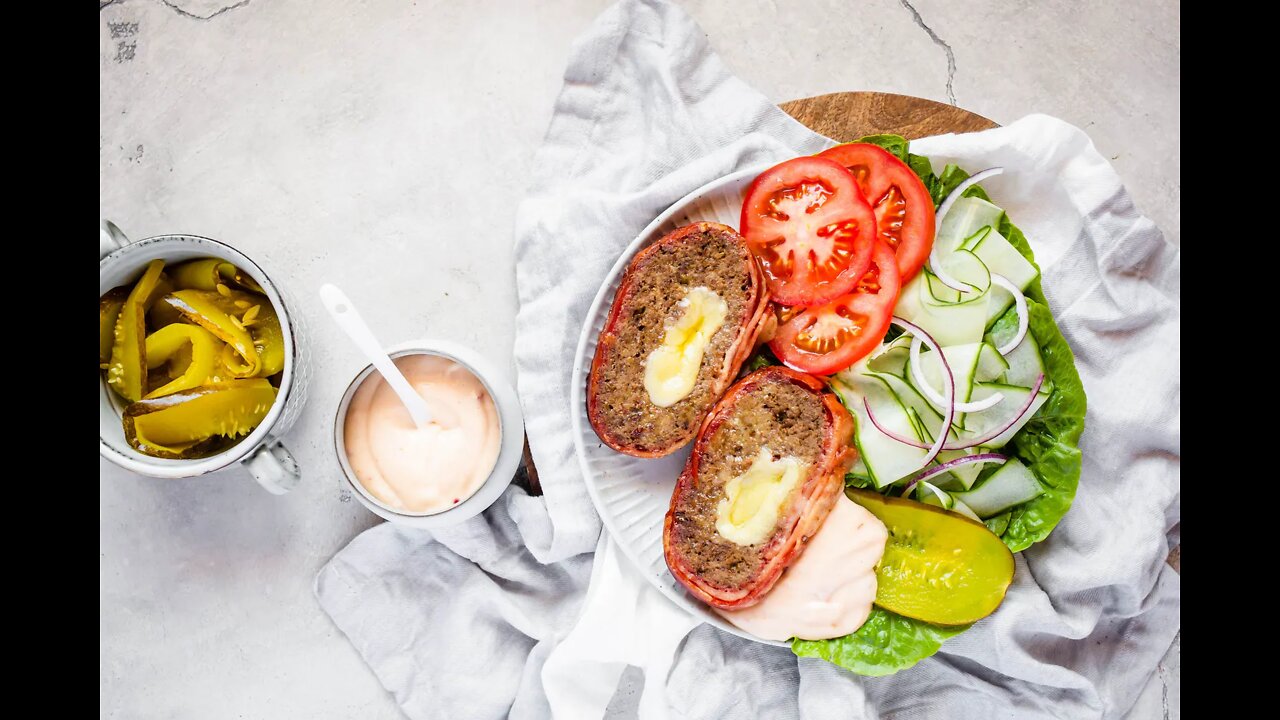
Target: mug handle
{"type": "Point", "coordinates": [273, 466]}
{"type": "Point", "coordinates": [112, 238]}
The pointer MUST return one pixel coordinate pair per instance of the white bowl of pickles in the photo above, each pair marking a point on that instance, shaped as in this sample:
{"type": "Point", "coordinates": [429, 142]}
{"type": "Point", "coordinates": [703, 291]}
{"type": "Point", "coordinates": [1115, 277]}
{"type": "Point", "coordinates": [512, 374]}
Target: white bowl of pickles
{"type": "Point", "coordinates": [198, 358]}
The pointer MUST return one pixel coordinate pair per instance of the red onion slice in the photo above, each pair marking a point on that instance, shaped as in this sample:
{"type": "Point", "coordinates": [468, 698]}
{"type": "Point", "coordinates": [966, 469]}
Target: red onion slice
{"type": "Point", "coordinates": [893, 435]}
{"type": "Point", "coordinates": [934, 397]}
{"type": "Point", "coordinates": [948, 387]}
{"type": "Point", "coordinates": [1026, 408]}
{"type": "Point", "coordinates": [1020, 306]}
{"type": "Point", "coordinates": [951, 464]}
{"type": "Point", "coordinates": [934, 265]}
{"type": "Point", "coordinates": [1031, 399]}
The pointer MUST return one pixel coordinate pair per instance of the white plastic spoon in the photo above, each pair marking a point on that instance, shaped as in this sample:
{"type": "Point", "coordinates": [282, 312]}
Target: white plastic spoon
{"type": "Point", "coordinates": [344, 313]}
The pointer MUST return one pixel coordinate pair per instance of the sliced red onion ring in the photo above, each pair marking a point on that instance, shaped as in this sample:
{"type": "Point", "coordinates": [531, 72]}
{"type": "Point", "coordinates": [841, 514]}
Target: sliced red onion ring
{"type": "Point", "coordinates": [896, 436]}
{"type": "Point", "coordinates": [1026, 408]}
{"type": "Point", "coordinates": [1020, 306]}
{"type": "Point", "coordinates": [952, 464]}
{"type": "Point", "coordinates": [948, 387]}
{"type": "Point", "coordinates": [934, 397]}
{"type": "Point", "coordinates": [910, 486]}
{"type": "Point", "coordinates": [934, 265]}
{"type": "Point", "coordinates": [1035, 390]}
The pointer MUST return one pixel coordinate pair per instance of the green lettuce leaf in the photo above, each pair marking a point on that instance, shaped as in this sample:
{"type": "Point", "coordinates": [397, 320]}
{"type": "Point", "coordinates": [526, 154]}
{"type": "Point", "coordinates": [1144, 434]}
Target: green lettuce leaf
{"type": "Point", "coordinates": [886, 643]}
{"type": "Point", "coordinates": [1048, 444]}
{"type": "Point", "coordinates": [895, 144]}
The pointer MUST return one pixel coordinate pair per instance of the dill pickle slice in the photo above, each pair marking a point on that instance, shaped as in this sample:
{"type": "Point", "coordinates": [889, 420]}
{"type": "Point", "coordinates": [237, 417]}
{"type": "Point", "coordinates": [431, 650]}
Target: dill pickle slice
{"type": "Point", "coordinates": [938, 566]}
{"type": "Point", "coordinates": [240, 277]}
{"type": "Point", "coordinates": [246, 322]}
{"type": "Point", "coordinates": [218, 313]}
{"type": "Point", "coordinates": [127, 368]}
{"type": "Point", "coordinates": [197, 274]}
{"type": "Point", "coordinates": [109, 307]}
{"type": "Point", "coordinates": [176, 425]}
{"type": "Point", "coordinates": [268, 339]}
{"type": "Point", "coordinates": [162, 314]}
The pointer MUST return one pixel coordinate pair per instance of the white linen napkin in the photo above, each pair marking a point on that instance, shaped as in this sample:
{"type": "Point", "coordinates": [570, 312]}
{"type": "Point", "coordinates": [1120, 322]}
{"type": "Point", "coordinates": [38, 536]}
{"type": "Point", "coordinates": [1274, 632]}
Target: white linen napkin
{"type": "Point", "coordinates": [488, 619]}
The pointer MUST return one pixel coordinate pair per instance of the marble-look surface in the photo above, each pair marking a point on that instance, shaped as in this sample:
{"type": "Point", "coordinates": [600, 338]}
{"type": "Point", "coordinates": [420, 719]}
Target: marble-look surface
{"type": "Point", "coordinates": [383, 145]}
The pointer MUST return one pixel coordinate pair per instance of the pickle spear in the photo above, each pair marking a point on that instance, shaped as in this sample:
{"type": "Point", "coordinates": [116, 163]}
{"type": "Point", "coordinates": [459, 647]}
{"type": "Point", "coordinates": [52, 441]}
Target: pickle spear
{"type": "Point", "coordinates": [174, 425]}
{"type": "Point", "coordinates": [938, 566]}
{"type": "Point", "coordinates": [208, 273]}
{"type": "Point", "coordinates": [127, 371]}
{"type": "Point", "coordinates": [217, 313]}
{"type": "Point", "coordinates": [109, 306]}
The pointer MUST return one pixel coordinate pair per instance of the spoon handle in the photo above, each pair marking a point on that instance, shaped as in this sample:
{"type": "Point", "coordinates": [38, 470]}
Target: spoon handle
{"type": "Point", "coordinates": [345, 314]}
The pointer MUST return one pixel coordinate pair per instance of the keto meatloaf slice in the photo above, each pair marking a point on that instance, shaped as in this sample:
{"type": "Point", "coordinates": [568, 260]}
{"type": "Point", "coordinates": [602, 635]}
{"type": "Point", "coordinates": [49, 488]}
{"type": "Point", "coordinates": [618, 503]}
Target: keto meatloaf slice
{"type": "Point", "coordinates": [653, 296]}
{"type": "Point", "coordinates": [775, 414]}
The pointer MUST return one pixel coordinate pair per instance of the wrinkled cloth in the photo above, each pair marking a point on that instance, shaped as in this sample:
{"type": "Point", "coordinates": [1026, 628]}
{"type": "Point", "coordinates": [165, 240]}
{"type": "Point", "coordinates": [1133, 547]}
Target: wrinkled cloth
{"type": "Point", "coordinates": [494, 618]}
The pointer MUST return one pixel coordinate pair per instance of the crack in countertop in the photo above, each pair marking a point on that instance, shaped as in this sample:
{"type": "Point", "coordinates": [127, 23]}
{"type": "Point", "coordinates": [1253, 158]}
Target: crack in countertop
{"type": "Point", "coordinates": [1164, 679]}
{"type": "Point", "coordinates": [951, 56]}
{"type": "Point", "coordinates": [103, 4]}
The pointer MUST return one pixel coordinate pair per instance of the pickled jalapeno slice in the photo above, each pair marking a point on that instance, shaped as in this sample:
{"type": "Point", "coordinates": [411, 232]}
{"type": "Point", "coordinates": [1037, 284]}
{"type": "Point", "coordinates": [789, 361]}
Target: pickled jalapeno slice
{"type": "Point", "coordinates": [189, 350]}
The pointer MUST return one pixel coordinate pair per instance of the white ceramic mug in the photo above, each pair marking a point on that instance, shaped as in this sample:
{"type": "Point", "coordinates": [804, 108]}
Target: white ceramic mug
{"type": "Point", "coordinates": [260, 451]}
{"type": "Point", "coordinates": [510, 423]}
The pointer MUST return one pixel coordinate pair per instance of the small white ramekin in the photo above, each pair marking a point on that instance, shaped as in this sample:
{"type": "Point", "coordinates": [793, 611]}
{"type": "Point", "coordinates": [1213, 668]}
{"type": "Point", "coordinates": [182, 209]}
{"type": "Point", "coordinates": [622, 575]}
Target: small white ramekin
{"type": "Point", "coordinates": [511, 427]}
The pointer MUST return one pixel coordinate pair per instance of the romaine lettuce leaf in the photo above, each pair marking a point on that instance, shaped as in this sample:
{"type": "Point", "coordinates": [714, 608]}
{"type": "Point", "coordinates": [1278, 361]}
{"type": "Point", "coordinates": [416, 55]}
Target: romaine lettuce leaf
{"type": "Point", "coordinates": [886, 643]}
{"type": "Point", "coordinates": [1049, 443]}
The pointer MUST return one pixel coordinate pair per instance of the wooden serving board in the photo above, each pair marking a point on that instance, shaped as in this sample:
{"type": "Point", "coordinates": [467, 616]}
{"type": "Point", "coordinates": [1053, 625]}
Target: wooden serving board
{"type": "Point", "coordinates": [848, 116]}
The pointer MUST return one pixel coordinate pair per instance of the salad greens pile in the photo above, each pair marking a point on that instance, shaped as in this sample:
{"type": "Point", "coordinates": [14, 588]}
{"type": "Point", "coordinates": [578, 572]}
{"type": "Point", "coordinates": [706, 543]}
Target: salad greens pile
{"type": "Point", "coordinates": [1047, 445]}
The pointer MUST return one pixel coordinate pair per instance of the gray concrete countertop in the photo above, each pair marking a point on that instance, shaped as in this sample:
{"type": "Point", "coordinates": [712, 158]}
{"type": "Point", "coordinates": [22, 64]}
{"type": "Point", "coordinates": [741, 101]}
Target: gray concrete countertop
{"type": "Point", "coordinates": [384, 145]}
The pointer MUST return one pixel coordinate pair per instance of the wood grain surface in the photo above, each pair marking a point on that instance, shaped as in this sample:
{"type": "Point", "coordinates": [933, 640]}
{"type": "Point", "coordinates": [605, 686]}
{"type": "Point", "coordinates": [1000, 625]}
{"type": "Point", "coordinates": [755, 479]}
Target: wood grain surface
{"type": "Point", "coordinates": [850, 115]}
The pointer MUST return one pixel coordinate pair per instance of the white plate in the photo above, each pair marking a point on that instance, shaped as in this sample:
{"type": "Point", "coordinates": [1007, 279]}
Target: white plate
{"type": "Point", "coordinates": [632, 494]}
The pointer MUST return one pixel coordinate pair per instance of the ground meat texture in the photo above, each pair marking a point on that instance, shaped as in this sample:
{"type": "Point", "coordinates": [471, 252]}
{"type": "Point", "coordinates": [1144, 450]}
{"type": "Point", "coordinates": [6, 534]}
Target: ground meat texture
{"type": "Point", "coordinates": [781, 415]}
{"type": "Point", "coordinates": [711, 256]}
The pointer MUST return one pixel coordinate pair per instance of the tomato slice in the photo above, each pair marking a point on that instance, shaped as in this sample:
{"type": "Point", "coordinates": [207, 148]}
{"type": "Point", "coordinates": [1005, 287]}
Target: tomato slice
{"type": "Point", "coordinates": [829, 338]}
{"type": "Point", "coordinates": [904, 209]}
{"type": "Point", "coordinates": [808, 224]}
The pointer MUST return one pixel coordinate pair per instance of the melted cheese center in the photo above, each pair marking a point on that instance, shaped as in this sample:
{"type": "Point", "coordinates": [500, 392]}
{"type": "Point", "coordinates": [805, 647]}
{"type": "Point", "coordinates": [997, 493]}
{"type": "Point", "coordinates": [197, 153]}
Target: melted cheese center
{"type": "Point", "coordinates": [671, 370]}
{"type": "Point", "coordinates": [753, 500]}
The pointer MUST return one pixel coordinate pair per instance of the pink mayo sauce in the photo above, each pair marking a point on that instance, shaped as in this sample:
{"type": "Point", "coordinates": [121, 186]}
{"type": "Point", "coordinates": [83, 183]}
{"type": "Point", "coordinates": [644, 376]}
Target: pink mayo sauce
{"type": "Point", "coordinates": [827, 592]}
{"type": "Point", "coordinates": [423, 470]}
